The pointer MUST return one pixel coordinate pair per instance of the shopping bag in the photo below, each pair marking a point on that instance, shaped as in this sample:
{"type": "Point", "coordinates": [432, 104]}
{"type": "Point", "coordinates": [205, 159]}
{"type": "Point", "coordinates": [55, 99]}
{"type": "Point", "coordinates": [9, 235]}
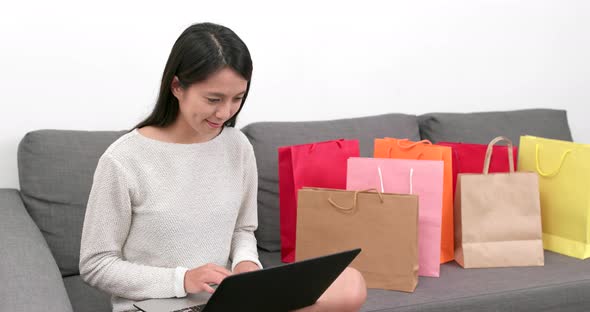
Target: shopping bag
{"type": "Point", "coordinates": [405, 149]}
{"type": "Point", "coordinates": [321, 164]}
{"type": "Point", "coordinates": [403, 176]}
{"type": "Point", "coordinates": [384, 225]}
{"type": "Point", "coordinates": [564, 175]}
{"type": "Point", "coordinates": [469, 158]}
{"type": "Point", "coordinates": [498, 217]}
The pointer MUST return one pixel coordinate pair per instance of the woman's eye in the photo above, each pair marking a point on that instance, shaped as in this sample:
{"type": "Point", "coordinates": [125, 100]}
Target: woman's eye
{"type": "Point", "coordinates": [238, 99]}
{"type": "Point", "coordinates": [213, 100]}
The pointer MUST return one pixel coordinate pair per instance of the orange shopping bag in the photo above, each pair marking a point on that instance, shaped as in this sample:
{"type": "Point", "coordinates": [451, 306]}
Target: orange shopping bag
{"type": "Point", "coordinates": [424, 150]}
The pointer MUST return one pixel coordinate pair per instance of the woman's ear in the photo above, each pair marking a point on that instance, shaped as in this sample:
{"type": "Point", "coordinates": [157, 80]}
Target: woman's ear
{"type": "Point", "coordinates": [176, 88]}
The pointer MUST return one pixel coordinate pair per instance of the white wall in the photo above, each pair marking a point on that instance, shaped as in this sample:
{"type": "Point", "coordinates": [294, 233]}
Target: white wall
{"type": "Point", "coordinates": [96, 66]}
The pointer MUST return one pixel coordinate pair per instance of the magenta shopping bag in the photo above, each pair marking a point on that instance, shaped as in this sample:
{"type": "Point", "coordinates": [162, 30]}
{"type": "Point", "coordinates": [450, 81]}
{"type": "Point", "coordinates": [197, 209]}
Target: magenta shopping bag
{"type": "Point", "coordinates": [319, 164]}
{"type": "Point", "coordinates": [403, 176]}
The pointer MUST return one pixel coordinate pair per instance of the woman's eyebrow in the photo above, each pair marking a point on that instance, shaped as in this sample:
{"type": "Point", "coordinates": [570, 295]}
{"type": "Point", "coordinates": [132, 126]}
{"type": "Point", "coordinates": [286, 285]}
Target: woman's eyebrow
{"type": "Point", "coordinates": [219, 94]}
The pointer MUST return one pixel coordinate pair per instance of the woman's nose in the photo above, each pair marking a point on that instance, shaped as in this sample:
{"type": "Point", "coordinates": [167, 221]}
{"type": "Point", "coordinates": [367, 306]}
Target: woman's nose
{"type": "Point", "coordinates": [223, 111]}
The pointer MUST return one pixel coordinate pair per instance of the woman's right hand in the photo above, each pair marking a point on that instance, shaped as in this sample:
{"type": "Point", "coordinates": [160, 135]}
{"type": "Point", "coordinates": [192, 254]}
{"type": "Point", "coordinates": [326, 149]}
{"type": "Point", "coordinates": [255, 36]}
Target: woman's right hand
{"type": "Point", "coordinates": [198, 279]}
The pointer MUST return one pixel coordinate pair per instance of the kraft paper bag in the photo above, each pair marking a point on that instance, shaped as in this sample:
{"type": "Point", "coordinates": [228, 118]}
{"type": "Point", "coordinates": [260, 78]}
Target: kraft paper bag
{"type": "Point", "coordinates": [384, 225]}
{"type": "Point", "coordinates": [564, 175]}
{"type": "Point", "coordinates": [424, 150]}
{"type": "Point", "coordinates": [498, 217]}
{"type": "Point", "coordinates": [404, 176]}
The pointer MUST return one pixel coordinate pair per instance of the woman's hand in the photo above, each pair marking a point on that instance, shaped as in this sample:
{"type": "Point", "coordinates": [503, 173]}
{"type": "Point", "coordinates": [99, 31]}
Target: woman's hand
{"type": "Point", "coordinates": [246, 266]}
{"type": "Point", "coordinates": [199, 279]}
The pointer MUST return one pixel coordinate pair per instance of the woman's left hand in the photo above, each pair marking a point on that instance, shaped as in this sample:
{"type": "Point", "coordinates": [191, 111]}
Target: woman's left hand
{"type": "Point", "coordinates": [246, 266]}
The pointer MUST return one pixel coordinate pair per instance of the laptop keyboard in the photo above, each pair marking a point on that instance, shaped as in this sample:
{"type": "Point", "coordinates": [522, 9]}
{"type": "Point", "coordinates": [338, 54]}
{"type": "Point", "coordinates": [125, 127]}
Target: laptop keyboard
{"type": "Point", "coordinates": [198, 308]}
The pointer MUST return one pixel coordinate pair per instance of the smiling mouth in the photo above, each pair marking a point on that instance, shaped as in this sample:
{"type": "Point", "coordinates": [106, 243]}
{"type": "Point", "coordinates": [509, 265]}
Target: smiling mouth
{"type": "Point", "coordinates": [213, 124]}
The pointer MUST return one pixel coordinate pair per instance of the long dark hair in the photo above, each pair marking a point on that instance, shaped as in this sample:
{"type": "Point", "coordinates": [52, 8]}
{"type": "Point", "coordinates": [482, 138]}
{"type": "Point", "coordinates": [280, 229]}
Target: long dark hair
{"type": "Point", "coordinates": [201, 50]}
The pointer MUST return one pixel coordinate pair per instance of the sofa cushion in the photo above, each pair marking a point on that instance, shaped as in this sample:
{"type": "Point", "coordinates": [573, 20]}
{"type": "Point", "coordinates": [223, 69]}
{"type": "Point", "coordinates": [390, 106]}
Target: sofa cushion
{"type": "Point", "coordinates": [86, 298]}
{"type": "Point", "coordinates": [562, 284]}
{"type": "Point", "coordinates": [55, 171]}
{"type": "Point", "coordinates": [266, 137]}
{"type": "Point", "coordinates": [484, 126]}
{"type": "Point", "coordinates": [30, 278]}
{"type": "Point", "coordinates": [269, 259]}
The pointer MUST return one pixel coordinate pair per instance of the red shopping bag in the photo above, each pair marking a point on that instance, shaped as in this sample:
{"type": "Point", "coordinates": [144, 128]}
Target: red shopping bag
{"type": "Point", "coordinates": [469, 158]}
{"type": "Point", "coordinates": [321, 164]}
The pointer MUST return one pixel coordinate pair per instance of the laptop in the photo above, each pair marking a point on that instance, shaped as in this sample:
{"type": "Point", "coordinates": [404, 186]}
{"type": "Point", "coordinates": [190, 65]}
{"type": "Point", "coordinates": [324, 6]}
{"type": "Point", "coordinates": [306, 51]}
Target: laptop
{"type": "Point", "coordinates": [277, 289]}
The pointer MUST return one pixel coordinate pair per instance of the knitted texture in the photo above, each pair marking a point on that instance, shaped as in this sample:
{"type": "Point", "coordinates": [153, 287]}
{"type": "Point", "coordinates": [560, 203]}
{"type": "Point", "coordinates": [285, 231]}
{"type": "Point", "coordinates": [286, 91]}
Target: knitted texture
{"type": "Point", "coordinates": [157, 208]}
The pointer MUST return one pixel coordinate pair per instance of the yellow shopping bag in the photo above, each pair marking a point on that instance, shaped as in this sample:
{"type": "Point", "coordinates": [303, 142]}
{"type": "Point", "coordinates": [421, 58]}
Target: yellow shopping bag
{"type": "Point", "coordinates": [564, 182]}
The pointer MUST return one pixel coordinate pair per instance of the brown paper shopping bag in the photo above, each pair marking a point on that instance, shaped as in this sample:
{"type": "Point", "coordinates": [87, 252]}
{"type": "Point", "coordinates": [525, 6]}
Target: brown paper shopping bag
{"type": "Point", "coordinates": [498, 217]}
{"type": "Point", "coordinates": [384, 225]}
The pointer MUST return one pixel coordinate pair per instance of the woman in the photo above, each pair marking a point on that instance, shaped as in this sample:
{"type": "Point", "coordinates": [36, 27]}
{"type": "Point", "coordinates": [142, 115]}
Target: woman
{"type": "Point", "coordinates": [173, 203]}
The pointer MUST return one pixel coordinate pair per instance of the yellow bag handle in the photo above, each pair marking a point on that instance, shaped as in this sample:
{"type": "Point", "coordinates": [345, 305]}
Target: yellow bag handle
{"type": "Point", "coordinates": [556, 171]}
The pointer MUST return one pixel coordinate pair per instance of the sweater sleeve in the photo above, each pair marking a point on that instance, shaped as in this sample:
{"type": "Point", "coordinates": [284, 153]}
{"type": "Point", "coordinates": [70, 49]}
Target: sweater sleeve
{"type": "Point", "coordinates": [106, 226]}
{"type": "Point", "coordinates": [243, 247]}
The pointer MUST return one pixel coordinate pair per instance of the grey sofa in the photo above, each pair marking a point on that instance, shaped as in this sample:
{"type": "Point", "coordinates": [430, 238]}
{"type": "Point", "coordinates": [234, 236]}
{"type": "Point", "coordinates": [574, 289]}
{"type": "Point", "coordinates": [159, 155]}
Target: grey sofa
{"type": "Point", "coordinates": [40, 224]}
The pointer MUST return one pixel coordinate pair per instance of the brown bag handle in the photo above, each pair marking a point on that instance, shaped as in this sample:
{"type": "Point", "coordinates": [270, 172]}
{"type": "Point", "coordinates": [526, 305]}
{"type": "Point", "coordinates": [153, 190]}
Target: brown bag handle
{"type": "Point", "coordinates": [486, 164]}
{"type": "Point", "coordinates": [354, 201]}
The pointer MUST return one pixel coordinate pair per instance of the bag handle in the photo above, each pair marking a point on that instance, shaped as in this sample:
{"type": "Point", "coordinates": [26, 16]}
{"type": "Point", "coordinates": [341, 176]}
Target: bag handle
{"type": "Point", "coordinates": [354, 201]}
{"type": "Point", "coordinates": [390, 150]}
{"type": "Point", "coordinates": [412, 144]}
{"type": "Point", "coordinates": [556, 171]}
{"type": "Point", "coordinates": [411, 180]}
{"type": "Point", "coordinates": [338, 142]}
{"type": "Point", "coordinates": [381, 179]}
{"type": "Point", "coordinates": [486, 164]}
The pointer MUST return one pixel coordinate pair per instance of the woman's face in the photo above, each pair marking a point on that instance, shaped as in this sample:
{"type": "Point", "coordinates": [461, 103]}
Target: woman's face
{"type": "Point", "coordinates": [206, 105]}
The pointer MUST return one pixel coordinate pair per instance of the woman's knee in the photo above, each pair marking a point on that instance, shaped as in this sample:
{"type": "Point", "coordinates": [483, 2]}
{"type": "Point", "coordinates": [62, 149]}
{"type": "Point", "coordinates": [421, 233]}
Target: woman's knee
{"type": "Point", "coordinates": [347, 294]}
{"type": "Point", "coordinates": [356, 290]}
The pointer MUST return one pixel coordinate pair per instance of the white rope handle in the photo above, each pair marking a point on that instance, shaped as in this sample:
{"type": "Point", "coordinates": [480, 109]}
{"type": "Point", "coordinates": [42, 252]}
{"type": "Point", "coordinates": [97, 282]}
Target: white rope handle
{"type": "Point", "coordinates": [411, 181]}
{"type": "Point", "coordinates": [381, 179]}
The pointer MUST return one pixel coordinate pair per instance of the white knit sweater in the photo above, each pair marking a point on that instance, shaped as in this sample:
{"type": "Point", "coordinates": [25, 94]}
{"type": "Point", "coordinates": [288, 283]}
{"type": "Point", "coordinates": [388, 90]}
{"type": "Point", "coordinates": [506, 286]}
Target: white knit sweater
{"type": "Point", "coordinates": [157, 209]}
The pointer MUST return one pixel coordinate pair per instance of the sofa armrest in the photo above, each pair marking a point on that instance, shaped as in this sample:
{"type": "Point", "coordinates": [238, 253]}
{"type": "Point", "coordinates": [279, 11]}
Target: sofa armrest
{"type": "Point", "coordinates": [30, 278]}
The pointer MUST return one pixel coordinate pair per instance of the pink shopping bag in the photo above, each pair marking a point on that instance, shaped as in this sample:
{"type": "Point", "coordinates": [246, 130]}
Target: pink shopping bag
{"type": "Point", "coordinates": [403, 176]}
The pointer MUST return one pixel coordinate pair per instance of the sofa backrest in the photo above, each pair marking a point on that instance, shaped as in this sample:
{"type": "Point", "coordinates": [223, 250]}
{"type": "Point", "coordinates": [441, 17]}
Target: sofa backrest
{"type": "Point", "coordinates": [56, 169]}
{"type": "Point", "coordinates": [482, 127]}
{"type": "Point", "coordinates": [266, 137]}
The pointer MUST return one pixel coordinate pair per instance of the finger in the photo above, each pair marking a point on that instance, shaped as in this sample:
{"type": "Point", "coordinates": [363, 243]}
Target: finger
{"type": "Point", "coordinates": [217, 268]}
{"type": "Point", "coordinates": [214, 277]}
{"type": "Point", "coordinates": [222, 270]}
{"type": "Point", "coordinates": [241, 270]}
{"type": "Point", "coordinates": [208, 288]}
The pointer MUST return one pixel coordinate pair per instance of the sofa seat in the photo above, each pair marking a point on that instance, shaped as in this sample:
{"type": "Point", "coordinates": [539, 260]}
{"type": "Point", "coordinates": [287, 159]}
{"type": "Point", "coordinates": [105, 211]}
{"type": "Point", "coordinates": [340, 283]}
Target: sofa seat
{"type": "Point", "coordinates": [84, 297]}
{"type": "Point", "coordinates": [563, 284]}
